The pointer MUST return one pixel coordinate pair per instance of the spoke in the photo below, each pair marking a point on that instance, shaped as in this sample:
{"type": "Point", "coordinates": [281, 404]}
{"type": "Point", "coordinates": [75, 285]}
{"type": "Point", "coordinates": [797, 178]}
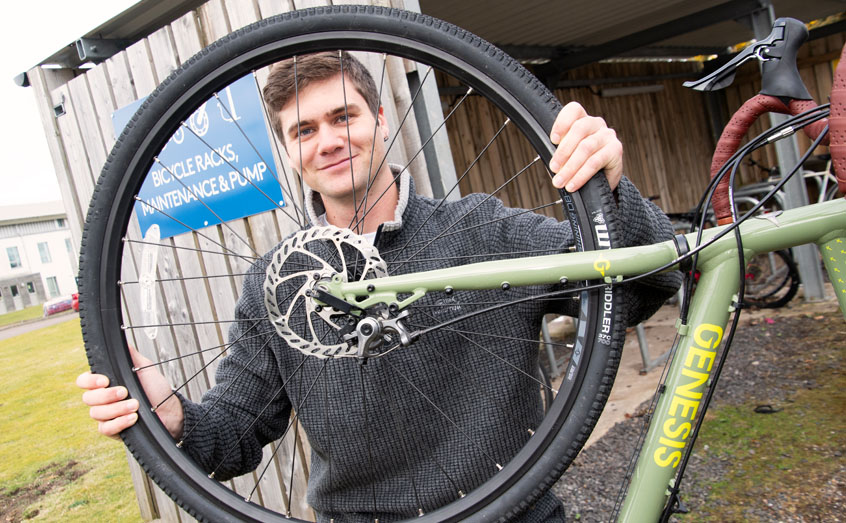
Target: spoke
{"type": "Point", "coordinates": [328, 448]}
{"type": "Point", "coordinates": [299, 137]}
{"type": "Point", "coordinates": [394, 139]}
{"type": "Point", "coordinates": [478, 386]}
{"type": "Point", "coordinates": [372, 146]}
{"type": "Point", "coordinates": [223, 346]}
{"type": "Point", "coordinates": [500, 358]}
{"type": "Point", "coordinates": [268, 164]}
{"type": "Point", "coordinates": [295, 417]}
{"type": "Point", "coordinates": [522, 295]}
{"type": "Point", "coordinates": [400, 428]}
{"type": "Point", "coordinates": [498, 255]}
{"type": "Point", "coordinates": [127, 240]}
{"type": "Point", "coordinates": [485, 224]}
{"type": "Point", "coordinates": [296, 427]}
{"type": "Point", "coordinates": [347, 125]}
{"type": "Point", "coordinates": [460, 102]}
{"type": "Point", "coordinates": [224, 391]}
{"type": "Point", "coordinates": [420, 444]}
{"type": "Point", "coordinates": [442, 413]}
{"type": "Point", "coordinates": [300, 211]}
{"type": "Point", "coordinates": [219, 219]}
{"type": "Point", "coordinates": [489, 303]}
{"type": "Point", "coordinates": [183, 324]}
{"type": "Point", "coordinates": [491, 195]}
{"type": "Point", "coordinates": [203, 368]}
{"type": "Point", "coordinates": [510, 338]}
{"type": "Point", "coordinates": [367, 433]}
{"type": "Point", "coordinates": [457, 182]}
{"type": "Point", "coordinates": [258, 416]}
{"type": "Point", "coordinates": [166, 215]}
{"type": "Point", "coordinates": [469, 315]}
{"type": "Point", "coordinates": [230, 164]}
{"type": "Point", "coordinates": [185, 278]}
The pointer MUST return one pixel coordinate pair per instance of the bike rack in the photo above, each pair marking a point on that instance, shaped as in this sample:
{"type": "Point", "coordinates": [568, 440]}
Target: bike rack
{"type": "Point", "coordinates": [648, 364]}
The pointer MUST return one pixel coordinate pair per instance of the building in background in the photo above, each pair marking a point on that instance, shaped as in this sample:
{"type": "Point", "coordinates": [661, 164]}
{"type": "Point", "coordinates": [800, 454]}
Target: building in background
{"type": "Point", "coordinates": [38, 260]}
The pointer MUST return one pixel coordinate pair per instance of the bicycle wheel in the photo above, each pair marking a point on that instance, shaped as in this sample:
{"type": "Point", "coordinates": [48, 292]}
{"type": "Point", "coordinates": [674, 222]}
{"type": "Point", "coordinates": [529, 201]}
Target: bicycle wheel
{"type": "Point", "coordinates": [172, 295]}
{"type": "Point", "coordinates": [772, 280]}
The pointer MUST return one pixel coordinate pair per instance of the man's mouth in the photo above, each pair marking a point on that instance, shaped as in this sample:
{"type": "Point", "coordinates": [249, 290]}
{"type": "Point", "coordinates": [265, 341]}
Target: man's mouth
{"type": "Point", "coordinates": [343, 161]}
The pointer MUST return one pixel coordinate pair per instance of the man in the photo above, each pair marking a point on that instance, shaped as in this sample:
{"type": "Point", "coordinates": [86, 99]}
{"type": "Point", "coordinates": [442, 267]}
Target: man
{"type": "Point", "coordinates": [326, 122]}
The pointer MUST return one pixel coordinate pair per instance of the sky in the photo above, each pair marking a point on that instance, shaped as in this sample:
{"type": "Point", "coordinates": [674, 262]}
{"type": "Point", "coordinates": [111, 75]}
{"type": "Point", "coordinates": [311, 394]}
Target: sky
{"type": "Point", "coordinates": [30, 32]}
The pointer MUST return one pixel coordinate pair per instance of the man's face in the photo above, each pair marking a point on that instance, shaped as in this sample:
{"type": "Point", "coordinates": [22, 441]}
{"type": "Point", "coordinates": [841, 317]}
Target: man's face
{"type": "Point", "coordinates": [329, 134]}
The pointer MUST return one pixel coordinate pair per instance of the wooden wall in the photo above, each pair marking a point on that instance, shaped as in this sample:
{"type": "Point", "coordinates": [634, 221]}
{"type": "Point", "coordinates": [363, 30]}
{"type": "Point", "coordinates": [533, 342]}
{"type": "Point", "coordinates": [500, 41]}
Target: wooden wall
{"type": "Point", "coordinates": [667, 135]}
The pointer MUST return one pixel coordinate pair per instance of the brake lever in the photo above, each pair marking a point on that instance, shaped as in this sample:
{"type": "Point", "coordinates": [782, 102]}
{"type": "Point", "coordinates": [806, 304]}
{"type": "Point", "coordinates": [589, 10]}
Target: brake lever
{"type": "Point", "coordinates": [724, 76]}
{"type": "Point", "coordinates": [779, 75]}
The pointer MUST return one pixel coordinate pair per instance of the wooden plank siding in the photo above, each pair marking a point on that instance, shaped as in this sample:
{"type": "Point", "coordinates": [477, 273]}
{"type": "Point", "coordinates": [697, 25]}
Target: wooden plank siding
{"type": "Point", "coordinates": [666, 136]}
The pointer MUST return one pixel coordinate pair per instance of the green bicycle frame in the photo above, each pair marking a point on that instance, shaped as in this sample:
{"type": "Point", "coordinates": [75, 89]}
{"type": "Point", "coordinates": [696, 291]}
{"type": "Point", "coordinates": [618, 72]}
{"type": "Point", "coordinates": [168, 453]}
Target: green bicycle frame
{"type": "Point", "coordinates": [821, 223]}
{"type": "Point", "coordinates": [690, 369]}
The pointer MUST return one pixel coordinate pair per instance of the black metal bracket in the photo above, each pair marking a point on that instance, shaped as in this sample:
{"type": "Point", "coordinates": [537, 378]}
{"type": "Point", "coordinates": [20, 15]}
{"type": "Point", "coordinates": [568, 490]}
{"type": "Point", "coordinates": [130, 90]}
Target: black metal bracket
{"type": "Point", "coordinates": [97, 50]}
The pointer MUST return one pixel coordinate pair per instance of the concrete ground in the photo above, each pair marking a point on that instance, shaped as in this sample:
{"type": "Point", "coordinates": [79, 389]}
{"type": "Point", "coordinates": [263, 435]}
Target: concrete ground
{"type": "Point", "coordinates": [632, 387]}
{"type": "Point", "coordinates": [10, 331]}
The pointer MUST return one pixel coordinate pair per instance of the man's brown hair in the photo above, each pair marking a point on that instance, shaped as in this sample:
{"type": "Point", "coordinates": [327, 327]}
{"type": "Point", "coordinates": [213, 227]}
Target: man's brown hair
{"type": "Point", "coordinates": [281, 89]}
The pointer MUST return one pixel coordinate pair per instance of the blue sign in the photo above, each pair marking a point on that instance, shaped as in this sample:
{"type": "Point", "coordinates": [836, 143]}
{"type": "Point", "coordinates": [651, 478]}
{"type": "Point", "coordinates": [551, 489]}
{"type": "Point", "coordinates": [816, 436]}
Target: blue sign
{"type": "Point", "coordinates": [219, 159]}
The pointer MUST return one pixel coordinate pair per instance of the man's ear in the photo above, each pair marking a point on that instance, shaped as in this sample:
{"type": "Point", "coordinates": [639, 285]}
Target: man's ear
{"type": "Point", "coordinates": [383, 123]}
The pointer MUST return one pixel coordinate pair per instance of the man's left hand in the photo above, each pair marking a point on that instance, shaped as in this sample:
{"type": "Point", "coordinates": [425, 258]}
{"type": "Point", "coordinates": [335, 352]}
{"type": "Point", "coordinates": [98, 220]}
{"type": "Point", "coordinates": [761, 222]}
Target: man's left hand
{"type": "Point", "coordinates": [586, 145]}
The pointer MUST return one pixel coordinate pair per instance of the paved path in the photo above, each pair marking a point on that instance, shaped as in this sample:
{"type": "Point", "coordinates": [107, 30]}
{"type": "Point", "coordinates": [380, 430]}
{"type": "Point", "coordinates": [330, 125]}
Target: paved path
{"type": "Point", "coordinates": [9, 332]}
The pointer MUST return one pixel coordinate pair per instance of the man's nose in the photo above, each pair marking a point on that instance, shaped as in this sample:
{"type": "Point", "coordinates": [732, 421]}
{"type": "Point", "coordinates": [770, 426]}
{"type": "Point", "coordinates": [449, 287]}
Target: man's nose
{"type": "Point", "coordinates": [330, 138]}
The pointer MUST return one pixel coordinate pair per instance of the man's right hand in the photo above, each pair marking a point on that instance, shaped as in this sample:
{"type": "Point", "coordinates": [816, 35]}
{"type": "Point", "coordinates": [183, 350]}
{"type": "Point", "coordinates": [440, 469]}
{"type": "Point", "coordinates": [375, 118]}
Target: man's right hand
{"type": "Point", "coordinates": [112, 410]}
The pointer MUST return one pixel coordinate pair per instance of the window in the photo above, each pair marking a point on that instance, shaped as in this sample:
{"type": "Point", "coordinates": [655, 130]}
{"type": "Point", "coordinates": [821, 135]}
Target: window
{"type": "Point", "coordinates": [30, 288]}
{"type": "Point", "coordinates": [14, 257]}
{"type": "Point", "coordinates": [53, 286]}
{"type": "Point", "coordinates": [69, 246]}
{"type": "Point", "coordinates": [44, 251]}
{"type": "Point", "coordinates": [60, 223]}
{"type": "Point", "coordinates": [14, 289]}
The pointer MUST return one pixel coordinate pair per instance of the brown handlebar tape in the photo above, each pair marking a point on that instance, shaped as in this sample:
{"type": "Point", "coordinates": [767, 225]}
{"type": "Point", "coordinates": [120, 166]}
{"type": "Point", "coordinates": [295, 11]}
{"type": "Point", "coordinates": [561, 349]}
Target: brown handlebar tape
{"type": "Point", "coordinates": [837, 123]}
{"type": "Point", "coordinates": [736, 129]}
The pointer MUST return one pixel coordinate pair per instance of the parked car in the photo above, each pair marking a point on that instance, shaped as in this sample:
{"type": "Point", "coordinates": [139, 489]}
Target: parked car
{"type": "Point", "coordinates": [75, 301]}
{"type": "Point", "coordinates": [57, 305]}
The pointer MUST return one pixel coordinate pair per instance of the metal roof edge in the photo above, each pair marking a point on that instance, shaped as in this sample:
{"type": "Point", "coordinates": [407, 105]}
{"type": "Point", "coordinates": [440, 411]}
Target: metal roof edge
{"type": "Point", "coordinates": [133, 24]}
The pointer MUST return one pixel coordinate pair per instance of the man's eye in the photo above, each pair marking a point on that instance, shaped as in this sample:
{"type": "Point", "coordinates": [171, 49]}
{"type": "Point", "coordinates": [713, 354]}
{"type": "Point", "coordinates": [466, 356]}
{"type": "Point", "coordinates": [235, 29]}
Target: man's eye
{"type": "Point", "coordinates": [305, 131]}
{"type": "Point", "coordinates": [342, 118]}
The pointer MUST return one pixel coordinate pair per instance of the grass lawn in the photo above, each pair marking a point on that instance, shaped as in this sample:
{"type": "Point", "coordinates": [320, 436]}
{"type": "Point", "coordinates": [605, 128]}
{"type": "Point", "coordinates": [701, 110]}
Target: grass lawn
{"type": "Point", "coordinates": [30, 313]}
{"type": "Point", "coordinates": [56, 467]}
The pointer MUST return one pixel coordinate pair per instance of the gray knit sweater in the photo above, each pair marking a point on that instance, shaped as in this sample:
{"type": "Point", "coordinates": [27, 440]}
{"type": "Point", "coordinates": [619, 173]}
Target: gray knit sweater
{"type": "Point", "coordinates": [410, 401]}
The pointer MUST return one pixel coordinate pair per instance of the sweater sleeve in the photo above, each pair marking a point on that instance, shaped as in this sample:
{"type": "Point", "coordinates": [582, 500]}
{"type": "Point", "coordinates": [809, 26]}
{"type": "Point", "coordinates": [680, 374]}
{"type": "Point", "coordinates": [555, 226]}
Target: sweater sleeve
{"type": "Point", "coordinates": [643, 223]}
{"type": "Point", "coordinates": [247, 408]}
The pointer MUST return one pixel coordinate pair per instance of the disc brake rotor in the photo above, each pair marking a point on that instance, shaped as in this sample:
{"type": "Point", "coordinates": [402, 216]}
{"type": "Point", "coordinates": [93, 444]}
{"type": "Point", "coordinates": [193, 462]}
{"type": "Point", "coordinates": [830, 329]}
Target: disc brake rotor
{"type": "Point", "coordinates": [303, 261]}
